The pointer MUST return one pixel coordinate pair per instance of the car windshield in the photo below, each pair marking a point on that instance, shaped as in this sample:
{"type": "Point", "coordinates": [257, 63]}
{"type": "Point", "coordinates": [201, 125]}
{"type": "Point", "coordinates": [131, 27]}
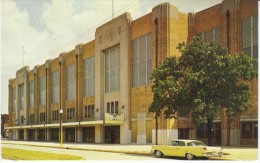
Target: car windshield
{"type": "Point", "coordinates": [195, 143]}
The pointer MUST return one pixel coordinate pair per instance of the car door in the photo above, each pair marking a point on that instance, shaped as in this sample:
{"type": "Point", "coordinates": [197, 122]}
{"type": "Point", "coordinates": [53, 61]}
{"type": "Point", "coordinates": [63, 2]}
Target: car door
{"type": "Point", "coordinates": [181, 149]}
{"type": "Point", "coordinates": [171, 150]}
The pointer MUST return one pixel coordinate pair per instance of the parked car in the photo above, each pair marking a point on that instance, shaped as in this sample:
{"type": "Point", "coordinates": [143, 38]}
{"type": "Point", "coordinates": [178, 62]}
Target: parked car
{"type": "Point", "coordinates": [187, 148]}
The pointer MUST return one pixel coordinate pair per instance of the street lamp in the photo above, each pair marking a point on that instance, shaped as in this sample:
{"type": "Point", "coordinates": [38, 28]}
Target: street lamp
{"type": "Point", "coordinates": [61, 139]}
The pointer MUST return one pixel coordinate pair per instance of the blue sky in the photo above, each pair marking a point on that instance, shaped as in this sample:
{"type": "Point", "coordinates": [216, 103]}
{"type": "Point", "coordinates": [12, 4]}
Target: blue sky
{"type": "Point", "coordinates": [42, 29]}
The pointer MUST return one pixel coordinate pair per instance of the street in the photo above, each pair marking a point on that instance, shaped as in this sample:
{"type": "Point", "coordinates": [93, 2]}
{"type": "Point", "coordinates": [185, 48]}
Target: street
{"type": "Point", "coordinates": [235, 153]}
{"type": "Point", "coordinates": [88, 155]}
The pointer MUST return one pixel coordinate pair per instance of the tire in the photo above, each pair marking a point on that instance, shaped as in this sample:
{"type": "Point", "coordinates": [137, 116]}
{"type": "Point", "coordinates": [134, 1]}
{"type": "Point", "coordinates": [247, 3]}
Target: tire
{"type": "Point", "coordinates": [189, 156]}
{"type": "Point", "coordinates": [158, 154]}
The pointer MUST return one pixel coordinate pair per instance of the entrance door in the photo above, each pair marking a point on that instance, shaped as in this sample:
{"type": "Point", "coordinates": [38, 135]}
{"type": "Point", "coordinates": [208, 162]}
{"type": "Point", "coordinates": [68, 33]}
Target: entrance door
{"type": "Point", "coordinates": [31, 134]}
{"type": "Point", "coordinates": [21, 134]}
{"type": "Point", "coordinates": [89, 134]}
{"type": "Point", "coordinates": [112, 134]}
{"type": "Point", "coordinates": [55, 134]}
{"type": "Point", "coordinates": [183, 133]}
{"type": "Point", "coordinates": [41, 134]}
{"type": "Point", "coordinates": [70, 134]}
{"type": "Point", "coordinates": [217, 133]}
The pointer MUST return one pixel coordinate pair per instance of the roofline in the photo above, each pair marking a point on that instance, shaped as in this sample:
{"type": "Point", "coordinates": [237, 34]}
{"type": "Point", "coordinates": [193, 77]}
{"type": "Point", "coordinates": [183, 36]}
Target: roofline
{"type": "Point", "coordinates": [208, 8]}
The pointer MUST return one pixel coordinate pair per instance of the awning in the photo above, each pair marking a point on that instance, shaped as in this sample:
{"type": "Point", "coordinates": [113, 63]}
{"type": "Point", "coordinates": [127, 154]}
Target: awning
{"type": "Point", "coordinates": [100, 122]}
{"type": "Point", "coordinates": [70, 124]}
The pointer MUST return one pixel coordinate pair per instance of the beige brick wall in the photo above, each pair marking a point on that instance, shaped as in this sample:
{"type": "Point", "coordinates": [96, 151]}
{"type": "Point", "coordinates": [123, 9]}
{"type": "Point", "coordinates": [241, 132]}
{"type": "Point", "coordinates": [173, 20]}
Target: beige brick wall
{"type": "Point", "coordinates": [133, 131]}
{"type": "Point", "coordinates": [178, 32]}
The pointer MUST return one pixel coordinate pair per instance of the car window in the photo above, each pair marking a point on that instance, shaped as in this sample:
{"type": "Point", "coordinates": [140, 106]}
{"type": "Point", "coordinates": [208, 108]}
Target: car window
{"type": "Point", "coordinates": [181, 143]}
{"type": "Point", "coordinates": [195, 143]}
{"type": "Point", "coordinates": [174, 143]}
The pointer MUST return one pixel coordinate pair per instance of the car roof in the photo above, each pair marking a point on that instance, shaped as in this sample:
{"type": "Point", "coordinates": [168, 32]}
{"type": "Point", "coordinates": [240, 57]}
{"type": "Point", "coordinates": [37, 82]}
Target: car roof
{"type": "Point", "coordinates": [185, 140]}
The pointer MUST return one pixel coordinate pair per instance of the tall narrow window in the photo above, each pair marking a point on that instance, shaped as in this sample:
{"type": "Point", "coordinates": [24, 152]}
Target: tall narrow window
{"type": "Point", "coordinates": [14, 99]}
{"type": "Point", "coordinates": [142, 60]}
{"type": "Point", "coordinates": [22, 119]}
{"type": "Point", "coordinates": [250, 36]}
{"type": "Point", "coordinates": [213, 35]}
{"type": "Point", "coordinates": [43, 90]}
{"type": "Point", "coordinates": [21, 96]}
{"type": "Point", "coordinates": [112, 62]}
{"type": "Point", "coordinates": [31, 92]}
{"type": "Point", "coordinates": [108, 107]}
{"type": "Point", "coordinates": [89, 76]}
{"type": "Point", "coordinates": [71, 82]}
{"type": "Point", "coordinates": [112, 107]}
{"type": "Point", "coordinates": [55, 87]}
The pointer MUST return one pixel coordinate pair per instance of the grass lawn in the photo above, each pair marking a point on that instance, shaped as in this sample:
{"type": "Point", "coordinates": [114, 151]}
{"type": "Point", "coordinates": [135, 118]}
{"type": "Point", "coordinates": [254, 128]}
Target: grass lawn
{"type": "Point", "coordinates": [18, 154]}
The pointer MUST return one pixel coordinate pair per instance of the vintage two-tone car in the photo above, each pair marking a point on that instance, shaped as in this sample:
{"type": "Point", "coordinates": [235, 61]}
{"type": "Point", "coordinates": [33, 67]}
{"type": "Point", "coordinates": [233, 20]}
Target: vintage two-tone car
{"type": "Point", "coordinates": [187, 148]}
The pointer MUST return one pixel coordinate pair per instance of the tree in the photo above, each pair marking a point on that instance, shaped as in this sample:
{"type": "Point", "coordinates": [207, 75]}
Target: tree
{"type": "Point", "coordinates": [204, 80]}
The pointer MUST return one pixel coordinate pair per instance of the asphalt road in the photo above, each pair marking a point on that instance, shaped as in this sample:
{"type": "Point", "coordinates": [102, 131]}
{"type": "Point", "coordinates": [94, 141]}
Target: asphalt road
{"type": "Point", "coordinates": [88, 155]}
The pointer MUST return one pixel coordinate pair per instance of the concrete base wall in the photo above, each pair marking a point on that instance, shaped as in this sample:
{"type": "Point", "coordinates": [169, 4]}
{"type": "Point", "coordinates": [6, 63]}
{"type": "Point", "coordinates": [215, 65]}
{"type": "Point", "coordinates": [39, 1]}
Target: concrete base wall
{"type": "Point", "coordinates": [141, 139]}
{"type": "Point", "coordinates": [164, 136]}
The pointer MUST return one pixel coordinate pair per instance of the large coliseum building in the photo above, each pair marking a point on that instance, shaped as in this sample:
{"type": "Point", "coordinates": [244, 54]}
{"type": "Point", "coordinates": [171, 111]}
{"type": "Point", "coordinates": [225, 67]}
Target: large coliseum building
{"type": "Point", "coordinates": [104, 89]}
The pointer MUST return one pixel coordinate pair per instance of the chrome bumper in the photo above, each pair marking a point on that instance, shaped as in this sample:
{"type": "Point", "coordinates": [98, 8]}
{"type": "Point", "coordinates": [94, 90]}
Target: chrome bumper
{"type": "Point", "coordinates": [212, 154]}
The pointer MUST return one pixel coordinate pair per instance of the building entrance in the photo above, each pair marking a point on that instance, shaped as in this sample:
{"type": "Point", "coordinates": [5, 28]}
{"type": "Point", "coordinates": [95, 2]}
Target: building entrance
{"type": "Point", "coordinates": [31, 135]}
{"type": "Point", "coordinates": [217, 133]}
{"type": "Point", "coordinates": [21, 135]}
{"type": "Point", "coordinates": [70, 134]}
{"type": "Point", "coordinates": [183, 133]}
{"type": "Point", "coordinates": [89, 134]}
{"type": "Point", "coordinates": [41, 134]}
{"type": "Point", "coordinates": [112, 134]}
{"type": "Point", "coordinates": [55, 134]}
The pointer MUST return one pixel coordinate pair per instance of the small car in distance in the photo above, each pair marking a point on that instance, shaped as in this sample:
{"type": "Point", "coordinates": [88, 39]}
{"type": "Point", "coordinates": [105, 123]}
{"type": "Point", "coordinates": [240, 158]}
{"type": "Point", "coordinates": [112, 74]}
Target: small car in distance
{"type": "Point", "coordinates": [187, 148]}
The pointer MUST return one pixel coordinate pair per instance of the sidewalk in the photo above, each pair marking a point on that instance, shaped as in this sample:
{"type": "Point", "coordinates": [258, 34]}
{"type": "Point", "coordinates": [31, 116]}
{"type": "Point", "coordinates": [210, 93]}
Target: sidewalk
{"type": "Point", "coordinates": [117, 148]}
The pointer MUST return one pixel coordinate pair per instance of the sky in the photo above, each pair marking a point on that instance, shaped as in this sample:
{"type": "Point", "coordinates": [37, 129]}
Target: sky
{"type": "Point", "coordinates": [33, 31]}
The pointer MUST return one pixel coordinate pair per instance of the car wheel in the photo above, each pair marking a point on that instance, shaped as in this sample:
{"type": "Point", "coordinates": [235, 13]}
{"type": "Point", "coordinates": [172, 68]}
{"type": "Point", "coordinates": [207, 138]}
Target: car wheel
{"type": "Point", "coordinates": [158, 154]}
{"type": "Point", "coordinates": [189, 156]}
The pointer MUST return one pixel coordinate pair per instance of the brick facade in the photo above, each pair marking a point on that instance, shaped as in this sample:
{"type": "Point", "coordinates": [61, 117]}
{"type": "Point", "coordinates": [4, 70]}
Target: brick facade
{"type": "Point", "coordinates": [131, 122]}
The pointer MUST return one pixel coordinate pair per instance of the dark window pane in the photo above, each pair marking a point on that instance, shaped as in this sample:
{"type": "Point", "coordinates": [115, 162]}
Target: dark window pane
{"type": "Point", "coordinates": [200, 131]}
{"type": "Point", "coordinates": [247, 131]}
{"type": "Point", "coordinates": [255, 130]}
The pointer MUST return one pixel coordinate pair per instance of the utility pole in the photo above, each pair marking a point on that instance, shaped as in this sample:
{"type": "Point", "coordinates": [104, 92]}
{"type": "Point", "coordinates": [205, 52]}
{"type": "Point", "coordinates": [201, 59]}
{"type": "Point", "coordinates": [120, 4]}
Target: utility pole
{"type": "Point", "coordinates": [156, 64]}
{"type": "Point", "coordinates": [23, 55]}
{"type": "Point", "coordinates": [112, 9]}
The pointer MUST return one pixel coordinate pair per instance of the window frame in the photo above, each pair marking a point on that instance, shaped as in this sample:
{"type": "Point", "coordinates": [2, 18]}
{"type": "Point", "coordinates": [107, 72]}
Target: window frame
{"type": "Point", "coordinates": [253, 41]}
{"type": "Point", "coordinates": [89, 63]}
{"type": "Point", "coordinates": [71, 82]}
{"type": "Point", "coordinates": [43, 90]}
{"type": "Point", "coordinates": [55, 86]}
{"type": "Point", "coordinates": [31, 93]}
{"type": "Point", "coordinates": [142, 61]}
{"type": "Point", "coordinates": [110, 69]}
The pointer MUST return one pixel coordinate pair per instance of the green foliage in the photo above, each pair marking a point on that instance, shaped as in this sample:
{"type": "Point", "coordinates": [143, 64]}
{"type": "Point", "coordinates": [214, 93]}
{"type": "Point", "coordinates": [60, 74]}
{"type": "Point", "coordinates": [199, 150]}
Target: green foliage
{"type": "Point", "coordinates": [203, 80]}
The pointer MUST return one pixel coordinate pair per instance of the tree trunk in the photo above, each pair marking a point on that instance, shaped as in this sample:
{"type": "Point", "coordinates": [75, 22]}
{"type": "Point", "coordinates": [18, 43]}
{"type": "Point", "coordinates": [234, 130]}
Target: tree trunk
{"type": "Point", "coordinates": [209, 124]}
